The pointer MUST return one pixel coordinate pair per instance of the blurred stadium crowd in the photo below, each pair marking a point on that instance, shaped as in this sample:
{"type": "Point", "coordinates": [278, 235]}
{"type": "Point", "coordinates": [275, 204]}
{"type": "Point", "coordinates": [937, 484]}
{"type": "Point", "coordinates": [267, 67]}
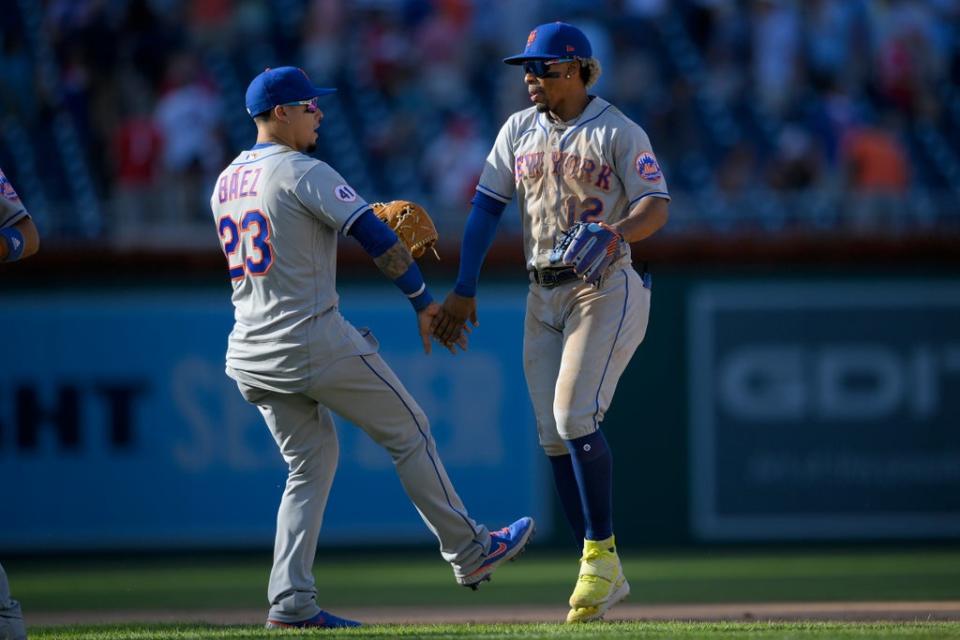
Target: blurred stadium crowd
{"type": "Point", "coordinates": [769, 116]}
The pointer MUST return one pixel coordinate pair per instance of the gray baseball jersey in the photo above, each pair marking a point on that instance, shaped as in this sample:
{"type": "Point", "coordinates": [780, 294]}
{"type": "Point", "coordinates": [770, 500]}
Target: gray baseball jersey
{"type": "Point", "coordinates": [12, 210]}
{"type": "Point", "coordinates": [595, 168]}
{"type": "Point", "coordinates": [577, 339]}
{"type": "Point", "coordinates": [273, 195]}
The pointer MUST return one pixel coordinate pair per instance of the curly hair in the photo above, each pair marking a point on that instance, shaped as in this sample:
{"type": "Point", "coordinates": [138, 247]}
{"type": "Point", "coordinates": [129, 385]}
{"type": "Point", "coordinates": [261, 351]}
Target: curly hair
{"type": "Point", "coordinates": [590, 71]}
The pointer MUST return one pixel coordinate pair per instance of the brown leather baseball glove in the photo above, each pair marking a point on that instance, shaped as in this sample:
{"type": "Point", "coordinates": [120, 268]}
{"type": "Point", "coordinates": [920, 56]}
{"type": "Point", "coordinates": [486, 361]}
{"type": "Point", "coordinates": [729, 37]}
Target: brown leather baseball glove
{"type": "Point", "coordinates": [411, 223]}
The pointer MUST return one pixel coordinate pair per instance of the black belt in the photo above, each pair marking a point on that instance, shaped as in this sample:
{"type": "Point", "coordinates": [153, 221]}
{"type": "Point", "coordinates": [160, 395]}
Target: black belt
{"type": "Point", "coordinates": [549, 278]}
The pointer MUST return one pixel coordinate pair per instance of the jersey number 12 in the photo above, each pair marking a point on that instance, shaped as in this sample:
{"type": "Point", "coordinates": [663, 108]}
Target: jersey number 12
{"type": "Point", "coordinates": [255, 228]}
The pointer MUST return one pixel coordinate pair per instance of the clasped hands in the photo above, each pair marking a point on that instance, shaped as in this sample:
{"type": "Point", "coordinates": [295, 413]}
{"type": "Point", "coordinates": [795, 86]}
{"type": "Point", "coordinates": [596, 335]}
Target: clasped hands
{"type": "Point", "coordinates": [450, 324]}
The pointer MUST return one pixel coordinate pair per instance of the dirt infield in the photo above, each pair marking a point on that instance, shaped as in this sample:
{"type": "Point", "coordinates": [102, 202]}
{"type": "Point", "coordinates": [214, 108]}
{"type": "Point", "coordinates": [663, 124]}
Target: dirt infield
{"type": "Point", "coordinates": [781, 611]}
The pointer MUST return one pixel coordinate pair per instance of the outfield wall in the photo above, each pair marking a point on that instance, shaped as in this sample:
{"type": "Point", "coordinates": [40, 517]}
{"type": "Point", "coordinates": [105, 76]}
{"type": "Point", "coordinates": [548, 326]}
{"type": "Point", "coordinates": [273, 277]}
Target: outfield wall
{"type": "Point", "coordinates": [119, 428]}
{"type": "Point", "coordinates": [761, 407]}
{"type": "Point", "coordinates": [792, 407]}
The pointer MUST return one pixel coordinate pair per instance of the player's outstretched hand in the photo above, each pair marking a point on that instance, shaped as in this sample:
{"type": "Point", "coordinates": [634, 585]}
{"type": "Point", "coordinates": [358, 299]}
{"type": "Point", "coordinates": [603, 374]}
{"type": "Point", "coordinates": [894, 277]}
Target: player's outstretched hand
{"type": "Point", "coordinates": [451, 325]}
{"type": "Point", "coordinates": [426, 321]}
{"type": "Point", "coordinates": [426, 318]}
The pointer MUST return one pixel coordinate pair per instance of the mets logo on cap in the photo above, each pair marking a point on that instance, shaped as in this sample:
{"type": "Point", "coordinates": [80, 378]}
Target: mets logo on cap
{"type": "Point", "coordinates": [648, 167]}
{"type": "Point", "coordinates": [531, 37]}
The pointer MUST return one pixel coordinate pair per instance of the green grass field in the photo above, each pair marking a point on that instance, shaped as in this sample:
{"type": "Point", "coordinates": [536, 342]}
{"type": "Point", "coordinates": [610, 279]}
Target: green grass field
{"type": "Point", "coordinates": [538, 578]}
{"type": "Point", "coordinates": [682, 630]}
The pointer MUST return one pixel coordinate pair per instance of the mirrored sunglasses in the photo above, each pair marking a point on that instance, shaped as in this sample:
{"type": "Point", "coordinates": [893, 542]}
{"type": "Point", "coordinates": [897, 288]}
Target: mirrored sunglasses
{"type": "Point", "coordinates": [312, 104]}
{"type": "Point", "coordinates": [540, 68]}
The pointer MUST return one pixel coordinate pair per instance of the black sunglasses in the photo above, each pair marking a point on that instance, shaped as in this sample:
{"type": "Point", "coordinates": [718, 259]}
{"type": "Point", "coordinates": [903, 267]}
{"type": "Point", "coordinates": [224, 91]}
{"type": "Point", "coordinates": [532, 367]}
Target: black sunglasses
{"type": "Point", "coordinates": [539, 68]}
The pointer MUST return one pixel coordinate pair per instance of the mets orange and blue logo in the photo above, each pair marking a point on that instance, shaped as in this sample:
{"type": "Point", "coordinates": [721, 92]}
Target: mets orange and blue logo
{"type": "Point", "coordinates": [531, 37]}
{"type": "Point", "coordinates": [648, 167]}
{"type": "Point", "coordinates": [6, 189]}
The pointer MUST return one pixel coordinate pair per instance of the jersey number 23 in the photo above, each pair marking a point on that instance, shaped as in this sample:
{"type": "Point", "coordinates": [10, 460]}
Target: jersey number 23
{"type": "Point", "coordinates": [253, 229]}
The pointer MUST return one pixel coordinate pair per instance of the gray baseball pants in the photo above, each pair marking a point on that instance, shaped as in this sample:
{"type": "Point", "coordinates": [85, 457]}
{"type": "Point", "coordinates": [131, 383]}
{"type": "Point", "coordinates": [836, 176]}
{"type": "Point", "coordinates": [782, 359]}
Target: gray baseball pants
{"type": "Point", "coordinates": [364, 390]}
{"type": "Point", "coordinates": [11, 619]}
{"type": "Point", "coordinates": [577, 341]}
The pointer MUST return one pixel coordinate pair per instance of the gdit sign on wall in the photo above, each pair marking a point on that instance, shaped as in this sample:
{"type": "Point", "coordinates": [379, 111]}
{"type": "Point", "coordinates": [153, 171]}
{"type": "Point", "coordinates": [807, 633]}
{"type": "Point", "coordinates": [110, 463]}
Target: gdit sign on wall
{"type": "Point", "coordinates": [852, 382]}
{"type": "Point", "coordinates": [826, 410]}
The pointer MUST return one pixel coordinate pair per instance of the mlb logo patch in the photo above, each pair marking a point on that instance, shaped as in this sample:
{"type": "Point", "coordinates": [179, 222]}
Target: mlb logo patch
{"type": "Point", "coordinates": [648, 167]}
{"type": "Point", "coordinates": [344, 193]}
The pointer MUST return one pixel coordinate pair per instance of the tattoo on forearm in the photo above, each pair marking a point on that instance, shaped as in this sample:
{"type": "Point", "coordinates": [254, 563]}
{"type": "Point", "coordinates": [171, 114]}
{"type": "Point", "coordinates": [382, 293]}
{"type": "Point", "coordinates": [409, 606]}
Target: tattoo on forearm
{"type": "Point", "coordinates": [394, 261]}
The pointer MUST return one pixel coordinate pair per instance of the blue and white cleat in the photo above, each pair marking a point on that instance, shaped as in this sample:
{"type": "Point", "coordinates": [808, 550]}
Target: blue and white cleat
{"type": "Point", "coordinates": [505, 544]}
{"type": "Point", "coordinates": [322, 620]}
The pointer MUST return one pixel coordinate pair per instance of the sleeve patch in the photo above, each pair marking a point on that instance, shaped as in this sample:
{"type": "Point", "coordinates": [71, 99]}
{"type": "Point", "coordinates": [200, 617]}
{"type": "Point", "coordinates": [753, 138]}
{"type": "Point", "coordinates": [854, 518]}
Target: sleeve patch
{"type": "Point", "coordinates": [648, 167]}
{"type": "Point", "coordinates": [344, 193]}
{"type": "Point", "coordinates": [6, 189]}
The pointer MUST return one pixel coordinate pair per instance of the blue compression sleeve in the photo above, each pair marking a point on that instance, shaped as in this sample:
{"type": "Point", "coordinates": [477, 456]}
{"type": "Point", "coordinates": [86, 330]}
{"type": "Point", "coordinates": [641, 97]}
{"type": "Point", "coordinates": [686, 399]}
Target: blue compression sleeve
{"type": "Point", "coordinates": [376, 237]}
{"type": "Point", "coordinates": [373, 235]}
{"type": "Point", "coordinates": [477, 238]}
{"type": "Point", "coordinates": [412, 284]}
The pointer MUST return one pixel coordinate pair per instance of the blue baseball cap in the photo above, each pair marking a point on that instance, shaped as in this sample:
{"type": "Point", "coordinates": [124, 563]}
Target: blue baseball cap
{"type": "Point", "coordinates": [281, 85]}
{"type": "Point", "coordinates": [553, 41]}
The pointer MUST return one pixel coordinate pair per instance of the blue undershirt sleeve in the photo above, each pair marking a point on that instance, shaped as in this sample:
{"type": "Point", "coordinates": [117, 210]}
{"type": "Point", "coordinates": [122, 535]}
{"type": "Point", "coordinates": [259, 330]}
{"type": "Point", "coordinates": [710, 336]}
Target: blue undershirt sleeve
{"type": "Point", "coordinates": [413, 286]}
{"type": "Point", "coordinates": [373, 235]}
{"type": "Point", "coordinates": [477, 238]}
{"type": "Point", "coordinates": [376, 237]}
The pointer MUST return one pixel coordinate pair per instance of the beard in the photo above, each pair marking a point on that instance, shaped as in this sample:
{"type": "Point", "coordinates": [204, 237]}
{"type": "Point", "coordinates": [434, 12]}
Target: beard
{"type": "Point", "coordinates": [542, 107]}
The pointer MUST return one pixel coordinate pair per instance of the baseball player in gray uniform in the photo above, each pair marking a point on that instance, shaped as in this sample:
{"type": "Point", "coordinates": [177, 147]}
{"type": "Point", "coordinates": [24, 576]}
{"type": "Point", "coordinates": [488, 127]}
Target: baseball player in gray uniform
{"type": "Point", "coordinates": [11, 619]}
{"type": "Point", "coordinates": [18, 239]}
{"type": "Point", "coordinates": [278, 213]}
{"type": "Point", "coordinates": [588, 184]}
{"type": "Point", "coordinates": [18, 235]}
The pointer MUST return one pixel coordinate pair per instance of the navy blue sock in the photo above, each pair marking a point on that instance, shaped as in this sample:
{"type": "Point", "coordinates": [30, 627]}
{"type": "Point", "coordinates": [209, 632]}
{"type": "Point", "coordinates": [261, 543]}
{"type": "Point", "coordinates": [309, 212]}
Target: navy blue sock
{"type": "Point", "coordinates": [593, 467]}
{"type": "Point", "coordinates": [569, 492]}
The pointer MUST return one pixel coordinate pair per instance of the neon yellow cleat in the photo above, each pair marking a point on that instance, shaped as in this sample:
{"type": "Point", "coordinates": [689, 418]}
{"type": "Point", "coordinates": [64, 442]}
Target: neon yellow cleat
{"type": "Point", "coordinates": [620, 591]}
{"type": "Point", "coordinates": [601, 577]}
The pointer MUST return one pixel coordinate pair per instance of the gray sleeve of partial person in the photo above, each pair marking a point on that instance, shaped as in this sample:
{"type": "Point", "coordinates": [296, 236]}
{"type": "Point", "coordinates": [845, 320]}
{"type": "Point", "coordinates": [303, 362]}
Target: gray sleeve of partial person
{"type": "Point", "coordinates": [12, 210]}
